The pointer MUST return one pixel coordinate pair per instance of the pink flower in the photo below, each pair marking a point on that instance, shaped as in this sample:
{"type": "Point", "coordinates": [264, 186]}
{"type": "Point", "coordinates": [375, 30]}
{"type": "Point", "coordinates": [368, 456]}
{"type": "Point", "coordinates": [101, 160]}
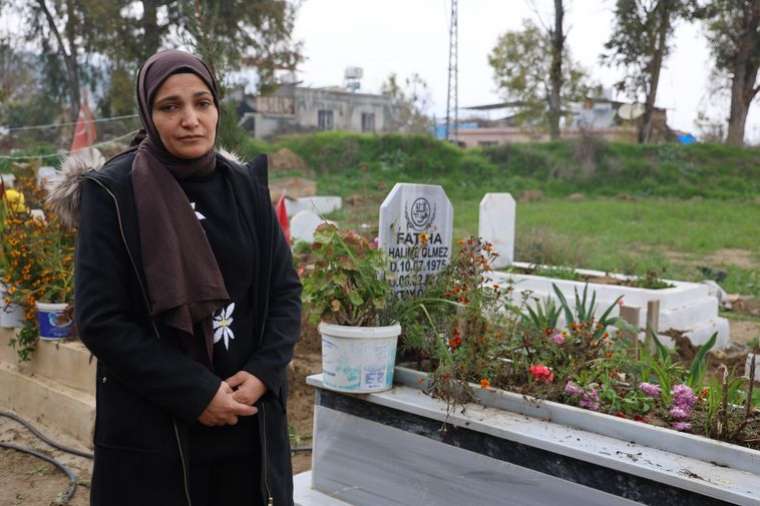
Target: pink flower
{"type": "Point", "coordinates": [682, 426]}
{"type": "Point", "coordinates": [679, 413]}
{"type": "Point", "coordinates": [650, 390]}
{"type": "Point", "coordinates": [558, 338]}
{"type": "Point", "coordinates": [683, 397]}
{"type": "Point", "coordinates": [590, 400]}
{"type": "Point", "coordinates": [573, 389]}
{"type": "Point", "coordinates": [541, 373]}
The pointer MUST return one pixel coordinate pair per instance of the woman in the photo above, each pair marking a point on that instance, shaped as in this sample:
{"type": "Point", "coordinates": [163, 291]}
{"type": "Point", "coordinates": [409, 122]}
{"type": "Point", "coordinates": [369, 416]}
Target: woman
{"type": "Point", "coordinates": [186, 294]}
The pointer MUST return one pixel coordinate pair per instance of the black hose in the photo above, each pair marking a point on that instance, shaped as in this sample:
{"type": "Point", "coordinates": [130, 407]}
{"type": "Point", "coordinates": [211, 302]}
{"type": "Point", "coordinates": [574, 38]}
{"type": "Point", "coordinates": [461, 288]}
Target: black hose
{"type": "Point", "coordinates": [45, 439]}
{"type": "Point", "coordinates": [69, 493]}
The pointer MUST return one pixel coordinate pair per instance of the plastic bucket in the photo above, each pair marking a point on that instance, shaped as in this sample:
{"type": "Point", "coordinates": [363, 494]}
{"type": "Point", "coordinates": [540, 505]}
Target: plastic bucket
{"type": "Point", "coordinates": [11, 315]}
{"type": "Point", "coordinates": [53, 321]}
{"type": "Point", "coordinates": [358, 359]}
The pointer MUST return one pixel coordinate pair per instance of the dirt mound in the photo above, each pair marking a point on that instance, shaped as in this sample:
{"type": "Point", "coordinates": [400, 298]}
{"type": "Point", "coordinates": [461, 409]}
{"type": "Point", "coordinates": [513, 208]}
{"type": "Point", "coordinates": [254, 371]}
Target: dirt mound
{"type": "Point", "coordinates": [531, 196]}
{"type": "Point", "coordinates": [293, 187]}
{"type": "Point", "coordinates": [285, 160]}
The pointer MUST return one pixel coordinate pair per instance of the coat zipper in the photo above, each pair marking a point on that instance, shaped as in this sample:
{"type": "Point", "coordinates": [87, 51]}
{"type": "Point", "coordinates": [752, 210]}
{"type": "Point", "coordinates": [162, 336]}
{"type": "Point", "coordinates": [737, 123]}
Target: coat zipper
{"type": "Point", "coordinates": [264, 456]}
{"type": "Point", "coordinates": [153, 324]}
{"type": "Point", "coordinates": [262, 420]}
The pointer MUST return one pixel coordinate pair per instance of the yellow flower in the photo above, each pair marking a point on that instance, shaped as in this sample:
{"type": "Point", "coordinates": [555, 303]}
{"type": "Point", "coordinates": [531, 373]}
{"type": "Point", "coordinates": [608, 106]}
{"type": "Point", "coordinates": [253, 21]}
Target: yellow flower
{"type": "Point", "coordinates": [15, 200]}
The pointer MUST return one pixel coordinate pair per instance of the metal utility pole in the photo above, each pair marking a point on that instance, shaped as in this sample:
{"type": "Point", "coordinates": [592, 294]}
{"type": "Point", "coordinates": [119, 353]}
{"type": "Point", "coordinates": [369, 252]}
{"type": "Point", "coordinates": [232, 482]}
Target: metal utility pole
{"type": "Point", "coordinates": [452, 97]}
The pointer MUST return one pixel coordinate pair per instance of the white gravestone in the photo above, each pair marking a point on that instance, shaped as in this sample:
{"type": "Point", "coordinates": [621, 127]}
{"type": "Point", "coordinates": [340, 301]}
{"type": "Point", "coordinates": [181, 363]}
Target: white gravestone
{"type": "Point", "coordinates": [497, 226]}
{"type": "Point", "coordinates": [416, 225]}
{"type": "Point", "coordinates": [303, 225]}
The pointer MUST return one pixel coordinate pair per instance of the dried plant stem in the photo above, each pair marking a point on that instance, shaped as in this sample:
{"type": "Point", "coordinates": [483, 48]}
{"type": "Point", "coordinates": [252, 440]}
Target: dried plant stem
{"type": "Point", "coordinates": [748, 407]}
{"type": "Point", "coordinates": [723, 424]}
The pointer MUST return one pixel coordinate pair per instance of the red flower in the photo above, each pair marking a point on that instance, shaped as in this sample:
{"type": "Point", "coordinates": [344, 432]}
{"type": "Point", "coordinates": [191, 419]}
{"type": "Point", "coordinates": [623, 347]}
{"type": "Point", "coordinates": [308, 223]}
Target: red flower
{"type": "Point", "coordinates": [455, 342]}
{"type": "Point", "coordinates": [541, 373]}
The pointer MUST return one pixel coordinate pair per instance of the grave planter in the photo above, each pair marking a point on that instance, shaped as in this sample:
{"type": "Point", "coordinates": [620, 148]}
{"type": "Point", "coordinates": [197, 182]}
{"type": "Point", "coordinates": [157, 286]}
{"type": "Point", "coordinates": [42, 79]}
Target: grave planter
{"type": "Point", "coordinates": [684, 306]}
{"type": "Point", "coordinates": [512, 450]}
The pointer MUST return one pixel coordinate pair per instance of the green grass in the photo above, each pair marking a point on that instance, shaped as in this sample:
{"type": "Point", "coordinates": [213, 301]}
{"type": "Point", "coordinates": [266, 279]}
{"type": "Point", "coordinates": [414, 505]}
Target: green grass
{"type": "Point", "coordinates": [699, 227]}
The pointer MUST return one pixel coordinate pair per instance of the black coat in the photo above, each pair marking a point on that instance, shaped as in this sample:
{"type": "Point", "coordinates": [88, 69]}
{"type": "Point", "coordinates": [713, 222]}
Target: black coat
{"type": "Point", "coordinates": [148, 391]}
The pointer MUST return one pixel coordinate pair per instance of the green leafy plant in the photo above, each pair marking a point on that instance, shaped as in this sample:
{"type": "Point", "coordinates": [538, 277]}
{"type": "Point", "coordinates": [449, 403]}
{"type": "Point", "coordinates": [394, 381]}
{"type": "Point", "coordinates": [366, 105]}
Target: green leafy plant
{"type": "Point", "coordinates": [651, 281]}
{"type": "Point", "coordinates": [544, 317]}
{"type": "Point", "coordinates": [345, 284]}
{"type": "Point", "coordinates": [697, 369]}
{"type": "Point", "coordinates": [585, 310]}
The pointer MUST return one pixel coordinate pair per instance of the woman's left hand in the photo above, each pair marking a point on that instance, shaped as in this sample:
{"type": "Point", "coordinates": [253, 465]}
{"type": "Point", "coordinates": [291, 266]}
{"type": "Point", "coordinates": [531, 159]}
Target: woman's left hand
{"type": "Point", "coordinates": [248, 388]}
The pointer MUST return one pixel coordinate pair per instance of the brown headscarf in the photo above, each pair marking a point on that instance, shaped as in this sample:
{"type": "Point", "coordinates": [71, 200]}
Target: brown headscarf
{"type": "Point", "coordinates": [185, 285]}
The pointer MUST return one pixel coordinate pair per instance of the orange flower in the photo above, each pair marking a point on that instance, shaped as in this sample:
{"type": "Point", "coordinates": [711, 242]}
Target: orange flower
{"type": "Point", "coordinates": [485, 383]}
{"type": "Point", "coordinates": [455, 342]}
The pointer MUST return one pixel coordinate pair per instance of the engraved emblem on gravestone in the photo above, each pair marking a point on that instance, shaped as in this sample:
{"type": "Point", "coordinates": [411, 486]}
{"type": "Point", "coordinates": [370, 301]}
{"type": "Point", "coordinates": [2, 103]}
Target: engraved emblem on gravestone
{"type": "Point", "coordinates": [422, 214]}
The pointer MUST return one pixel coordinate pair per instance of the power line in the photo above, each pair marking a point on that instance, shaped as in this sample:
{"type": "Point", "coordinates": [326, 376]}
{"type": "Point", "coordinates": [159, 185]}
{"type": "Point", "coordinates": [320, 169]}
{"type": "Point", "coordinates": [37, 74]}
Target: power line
{"type": "Point", "coordinates": [63, 152]}
{"type": "Point", "coordinates": [53, 125]}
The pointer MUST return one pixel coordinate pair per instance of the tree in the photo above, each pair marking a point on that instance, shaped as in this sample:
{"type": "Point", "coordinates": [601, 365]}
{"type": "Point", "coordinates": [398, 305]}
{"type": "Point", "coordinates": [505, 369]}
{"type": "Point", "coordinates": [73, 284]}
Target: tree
{"type": "Point", "coordinates": [528, 73]}
{"type": "Point", "coordinates": [44, 26]}
{"type": "Point", "coordinates": [230, 34]}
{"type": "Point", "coordinates": [411, 99]}
{"type": "Point", "coordinates": [733, 32]}
{"type": "Point", "coordinates": [557, 36]}
{"type": "Point", "coordinates": [640, 42]}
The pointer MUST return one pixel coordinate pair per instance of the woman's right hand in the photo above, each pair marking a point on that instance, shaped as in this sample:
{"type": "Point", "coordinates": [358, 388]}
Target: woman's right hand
{"type": "Point", "coordinates": [224, 409]}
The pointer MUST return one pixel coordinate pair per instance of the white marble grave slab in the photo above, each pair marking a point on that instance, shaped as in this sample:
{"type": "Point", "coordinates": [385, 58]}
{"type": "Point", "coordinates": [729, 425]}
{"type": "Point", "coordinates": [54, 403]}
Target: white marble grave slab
{"type": "Point", "coordinates": [497, 226]}
{"type": "Point", "coordinates": [371, 464]}
{"type": "Point", "coordinates": [672, 470]}
{"type": "Point", "coordinates": [305, 495]}
{"type": "Point", "coordinates": [416, 227]}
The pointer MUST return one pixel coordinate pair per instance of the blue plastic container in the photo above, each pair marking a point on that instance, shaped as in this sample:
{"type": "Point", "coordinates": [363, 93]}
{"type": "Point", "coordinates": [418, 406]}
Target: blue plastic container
{"type": "Point", "coordinates": [53, 321]}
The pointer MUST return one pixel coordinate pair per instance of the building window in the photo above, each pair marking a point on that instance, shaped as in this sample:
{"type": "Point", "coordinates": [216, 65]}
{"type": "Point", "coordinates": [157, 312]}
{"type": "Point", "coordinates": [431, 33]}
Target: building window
{"type": "Point", "coordinates": [325, 120]}
{"type": "Point", "coordinates": [485, 144]}
{"type": "Point", "coordinates": [368, 122]}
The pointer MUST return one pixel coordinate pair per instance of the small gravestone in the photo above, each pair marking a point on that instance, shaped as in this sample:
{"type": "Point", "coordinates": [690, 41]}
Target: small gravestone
{"type": "Point", "coordinates": [416, 225]}
{"type": "Point", "coordinates": [303, 225]}
{"type": "Point", "coordinates": [497, 226]}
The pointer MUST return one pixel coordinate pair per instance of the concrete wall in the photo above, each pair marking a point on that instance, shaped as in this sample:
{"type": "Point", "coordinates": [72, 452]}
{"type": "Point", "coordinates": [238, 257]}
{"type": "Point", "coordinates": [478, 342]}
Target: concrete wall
{"type": "Point", "coordinates": [495, 136]}
{"type": "Point", "coordinates": [56, 388]}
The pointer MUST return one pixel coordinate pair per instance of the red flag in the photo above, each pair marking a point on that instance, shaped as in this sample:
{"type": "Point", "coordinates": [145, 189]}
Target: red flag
{"type": "Point", "coordinates": [282, 217]}
{"type": "Point", "coordinates": [84, 133]}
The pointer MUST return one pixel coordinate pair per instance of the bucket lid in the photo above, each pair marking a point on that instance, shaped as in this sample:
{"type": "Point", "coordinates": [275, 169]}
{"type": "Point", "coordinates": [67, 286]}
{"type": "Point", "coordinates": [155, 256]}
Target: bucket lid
{"type": "Point", "coordinates": [360, 332]}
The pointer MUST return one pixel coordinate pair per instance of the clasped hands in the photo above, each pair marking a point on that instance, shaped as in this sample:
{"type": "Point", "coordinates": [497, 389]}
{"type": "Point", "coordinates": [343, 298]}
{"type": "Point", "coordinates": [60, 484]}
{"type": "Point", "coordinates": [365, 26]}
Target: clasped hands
{"type": "Point", "coordinates": [235, 397]}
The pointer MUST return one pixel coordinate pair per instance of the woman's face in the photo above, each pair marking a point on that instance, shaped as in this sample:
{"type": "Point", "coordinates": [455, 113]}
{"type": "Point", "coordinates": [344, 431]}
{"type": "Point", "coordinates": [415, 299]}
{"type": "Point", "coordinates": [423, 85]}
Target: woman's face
{"type": "Point", "coordinates": [185, 116]}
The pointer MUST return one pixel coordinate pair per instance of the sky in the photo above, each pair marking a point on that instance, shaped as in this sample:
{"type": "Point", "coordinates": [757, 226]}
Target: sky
{"type": "Point", "coordinates": [408, 36]}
